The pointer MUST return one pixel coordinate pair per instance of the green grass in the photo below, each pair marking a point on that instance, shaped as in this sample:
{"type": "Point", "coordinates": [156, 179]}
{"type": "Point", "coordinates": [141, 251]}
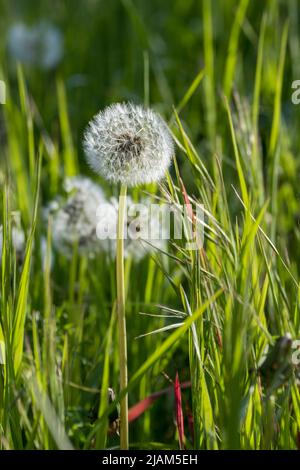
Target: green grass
{"type": "Point", "coordinates": [220, 73]}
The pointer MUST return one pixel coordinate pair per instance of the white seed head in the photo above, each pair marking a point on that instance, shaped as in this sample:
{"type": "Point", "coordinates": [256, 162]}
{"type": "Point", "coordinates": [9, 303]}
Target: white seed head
{"type": "Point", "coordinates": [39, 45]}
{"type": "Point", "coordinates": [17, 236]}
{"type": "Point", "coordinates": [74, 219]}
{"type": "Point", "coordinates": [128, 144]}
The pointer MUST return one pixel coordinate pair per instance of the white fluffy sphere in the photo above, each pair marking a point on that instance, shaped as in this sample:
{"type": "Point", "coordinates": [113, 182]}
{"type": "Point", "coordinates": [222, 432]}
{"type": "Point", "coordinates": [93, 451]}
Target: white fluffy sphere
{"type": "Point", "coordinates": [128, 144]}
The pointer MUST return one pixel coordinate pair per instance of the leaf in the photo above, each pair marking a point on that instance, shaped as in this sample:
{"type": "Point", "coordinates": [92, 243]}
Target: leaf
{"type": "Point", "coordinates": [139, 408]}
{"type": "Point", "coordinates": [20, 314]}
{"type": "Point", "coordinates": [178, 411]}
{"type": "Point", "coordinates": [191, 90]}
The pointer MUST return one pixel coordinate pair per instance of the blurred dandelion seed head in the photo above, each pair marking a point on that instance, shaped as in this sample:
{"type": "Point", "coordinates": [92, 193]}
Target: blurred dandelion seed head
{"type": "Point", "coordinates": [74, 219]}
{"type": "Point", "coordinates": [128, 144]}
{"type": "Point", "coordinates": [38, 45]}
{"type": "Point", "coordinates": [87, 220]}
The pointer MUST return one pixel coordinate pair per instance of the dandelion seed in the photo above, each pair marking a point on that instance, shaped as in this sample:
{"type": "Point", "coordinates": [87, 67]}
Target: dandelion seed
{"type": "Point", "coordinates": [128, 144]}
{"type": "Point", "coordinates": [40, 45]}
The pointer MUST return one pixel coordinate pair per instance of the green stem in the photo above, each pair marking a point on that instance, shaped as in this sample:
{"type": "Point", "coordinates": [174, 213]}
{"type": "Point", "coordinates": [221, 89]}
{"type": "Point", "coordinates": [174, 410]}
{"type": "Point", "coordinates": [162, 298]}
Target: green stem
{"type": "Point", "coordinates": [122, 319]}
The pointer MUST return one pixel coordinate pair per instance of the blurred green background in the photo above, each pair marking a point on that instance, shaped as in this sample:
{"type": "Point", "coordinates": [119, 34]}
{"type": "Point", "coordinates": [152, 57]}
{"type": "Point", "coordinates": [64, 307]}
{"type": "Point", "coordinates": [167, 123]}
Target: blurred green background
{"type": "Point", "coordinates": [151, 52]}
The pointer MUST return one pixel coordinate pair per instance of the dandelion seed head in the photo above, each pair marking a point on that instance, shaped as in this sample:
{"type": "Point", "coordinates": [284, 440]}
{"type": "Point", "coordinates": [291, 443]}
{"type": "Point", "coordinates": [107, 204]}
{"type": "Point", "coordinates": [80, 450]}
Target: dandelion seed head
{"type": "Point", "coordinates": [37, 45]}
{"type": "Point", "coordinates": [74, 219]}
{"type": "Point", "coordinates": [128, 144]}
{"type": "Point", "coordinates": [85, 218]}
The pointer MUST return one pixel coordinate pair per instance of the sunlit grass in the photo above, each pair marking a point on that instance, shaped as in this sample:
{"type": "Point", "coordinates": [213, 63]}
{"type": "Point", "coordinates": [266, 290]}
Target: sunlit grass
{"type": "Point", "coordinates": [222, 81]}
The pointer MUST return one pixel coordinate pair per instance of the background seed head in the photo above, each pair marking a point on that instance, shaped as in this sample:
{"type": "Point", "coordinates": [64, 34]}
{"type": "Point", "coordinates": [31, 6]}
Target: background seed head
{"type": "Point", "coordinates": [73, 219]}
{"type": "Point", "coordinates": [38, 45]}
{"type": "Point", "coordinates": [128, 144]}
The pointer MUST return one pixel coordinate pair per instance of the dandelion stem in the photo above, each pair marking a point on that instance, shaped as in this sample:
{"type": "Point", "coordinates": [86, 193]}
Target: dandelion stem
{"type": "Point", "coordinates": [122, 319]}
